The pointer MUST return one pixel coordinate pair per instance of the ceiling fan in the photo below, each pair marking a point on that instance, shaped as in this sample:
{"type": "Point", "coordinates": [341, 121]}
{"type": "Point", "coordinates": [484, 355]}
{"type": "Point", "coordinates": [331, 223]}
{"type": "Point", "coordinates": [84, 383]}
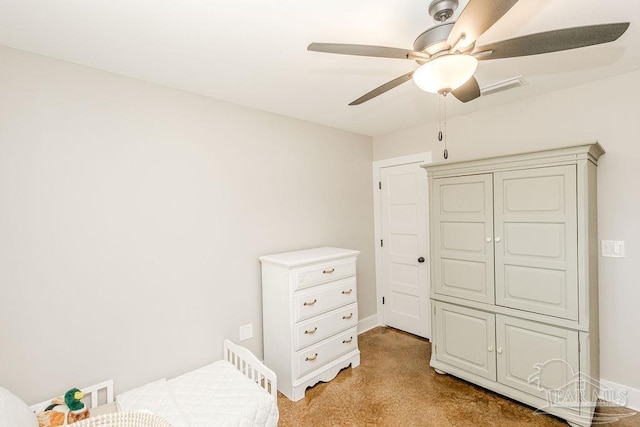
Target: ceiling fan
{"type": "Point", "coordinates": [447, 53]}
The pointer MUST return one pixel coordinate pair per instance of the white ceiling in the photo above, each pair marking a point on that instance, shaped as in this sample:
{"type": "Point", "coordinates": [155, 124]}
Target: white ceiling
{"type": "Point", "coordinates": [253, 52]}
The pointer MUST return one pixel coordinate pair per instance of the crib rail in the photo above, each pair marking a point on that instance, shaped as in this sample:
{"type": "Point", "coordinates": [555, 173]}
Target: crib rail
{"type": "Point", "coordinates": [94, 395]}
{"type": "Point", "coordinates": [251, 367]}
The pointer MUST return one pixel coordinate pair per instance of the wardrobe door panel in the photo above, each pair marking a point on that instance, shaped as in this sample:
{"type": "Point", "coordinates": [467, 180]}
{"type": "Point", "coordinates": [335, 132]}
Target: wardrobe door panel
{"type": "Point", "coordinates": [462, 237]}
{"type": "Point", "coordinates": [538, 359]}
{"type": "Point", "coordinates": [536, 240]}
{"type": "Point", "coordinates": [466, 339]}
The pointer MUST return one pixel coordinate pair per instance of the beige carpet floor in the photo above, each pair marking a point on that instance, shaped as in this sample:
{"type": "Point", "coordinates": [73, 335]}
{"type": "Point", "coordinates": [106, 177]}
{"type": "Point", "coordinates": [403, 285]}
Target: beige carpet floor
{"type": "Point", "coordinates": [394, 386]}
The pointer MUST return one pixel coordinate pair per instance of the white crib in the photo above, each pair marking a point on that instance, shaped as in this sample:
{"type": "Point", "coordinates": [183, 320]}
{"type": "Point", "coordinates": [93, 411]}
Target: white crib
{"type": "Point", "coordinates": [239, 390]}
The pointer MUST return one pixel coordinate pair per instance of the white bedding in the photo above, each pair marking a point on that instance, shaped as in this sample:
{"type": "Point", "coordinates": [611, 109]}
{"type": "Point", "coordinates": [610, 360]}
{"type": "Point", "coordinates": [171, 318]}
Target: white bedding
{"type": "Point", "coordinates": [155, 397]}
{"type": "Point", "coordinates": [215, 395]}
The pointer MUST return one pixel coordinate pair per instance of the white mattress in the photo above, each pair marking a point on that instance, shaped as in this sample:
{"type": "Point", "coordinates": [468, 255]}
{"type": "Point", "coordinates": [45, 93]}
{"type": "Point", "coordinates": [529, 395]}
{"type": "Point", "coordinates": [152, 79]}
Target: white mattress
{"type": "Point", "coordinates": [215, 395]}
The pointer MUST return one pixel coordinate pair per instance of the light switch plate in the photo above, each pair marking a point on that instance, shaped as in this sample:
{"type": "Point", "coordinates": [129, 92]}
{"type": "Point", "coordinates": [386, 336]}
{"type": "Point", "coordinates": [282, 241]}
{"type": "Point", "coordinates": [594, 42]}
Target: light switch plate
{"type": "Point", "coordinates": [246, 331]}
{"type": "Point", "coordinates": [612, 248]}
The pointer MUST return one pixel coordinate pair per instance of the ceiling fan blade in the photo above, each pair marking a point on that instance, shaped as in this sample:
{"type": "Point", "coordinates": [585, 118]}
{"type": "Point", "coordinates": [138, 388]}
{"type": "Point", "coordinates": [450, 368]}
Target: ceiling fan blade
{"type": "Point", "coordinates": [382, 89]}
{"type": "Point", "coordinates": [476, 18]}
{"type": "Point", "coordinates": [468, 91]}
{"type": "Point", "coordinates": [366, 50]}
{"type": "Point", "coordinates": [552, 41]}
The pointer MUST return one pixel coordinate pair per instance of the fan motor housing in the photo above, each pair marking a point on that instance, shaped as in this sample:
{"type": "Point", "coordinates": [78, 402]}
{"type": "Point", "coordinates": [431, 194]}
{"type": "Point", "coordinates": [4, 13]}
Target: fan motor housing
{"type": "Point", "coordinates": [434, 39]}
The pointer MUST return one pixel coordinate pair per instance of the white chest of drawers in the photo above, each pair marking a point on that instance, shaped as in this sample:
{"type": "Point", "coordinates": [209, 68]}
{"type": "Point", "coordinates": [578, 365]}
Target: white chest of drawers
{"type": "Point", "coordinates": [310, 316]}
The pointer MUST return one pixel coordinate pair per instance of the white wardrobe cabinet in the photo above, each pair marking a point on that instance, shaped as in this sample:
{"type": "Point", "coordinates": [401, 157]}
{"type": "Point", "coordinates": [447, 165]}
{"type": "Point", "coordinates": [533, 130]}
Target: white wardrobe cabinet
{"type": "Point", "coordinates": [514, 276]}
{"type": "Point", "coordinates": [310, 316]}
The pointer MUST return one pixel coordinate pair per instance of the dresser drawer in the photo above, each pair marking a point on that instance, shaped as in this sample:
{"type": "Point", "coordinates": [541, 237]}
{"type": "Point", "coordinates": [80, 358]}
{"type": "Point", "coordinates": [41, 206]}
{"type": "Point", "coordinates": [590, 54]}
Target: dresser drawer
{"type": "Point", "coordinates": [325, 272]}
{"type": "Point", "coordinates": [320, 299]}
{"type": "Point", "coordinates": [323, 326]}
{"type": "Point", "coordinates": [317, 355]}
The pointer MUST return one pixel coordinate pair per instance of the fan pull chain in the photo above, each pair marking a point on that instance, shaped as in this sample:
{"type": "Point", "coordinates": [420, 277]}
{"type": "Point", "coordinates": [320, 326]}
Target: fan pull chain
{"type": "Point", "coordinates": [439, 119]}
{"type": "Point", "coordinates": [442, 123]}
{"type": "Point", "coordinates": [444, 102]}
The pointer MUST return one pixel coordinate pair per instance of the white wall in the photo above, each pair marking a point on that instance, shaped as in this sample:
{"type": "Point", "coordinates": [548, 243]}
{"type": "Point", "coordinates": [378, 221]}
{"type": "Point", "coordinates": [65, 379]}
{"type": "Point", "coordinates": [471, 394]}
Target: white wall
{"type": "Point", "coordinates": [606, 110]}
{"type": "Point", "coordinates": [132, 216]}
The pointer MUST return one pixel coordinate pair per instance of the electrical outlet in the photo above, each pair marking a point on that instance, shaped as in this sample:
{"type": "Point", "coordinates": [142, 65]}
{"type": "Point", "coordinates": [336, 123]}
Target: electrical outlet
{"type": "Point", "coordinates": [612, 248]}
{"type": "Point", "coordinates": [246, 331]}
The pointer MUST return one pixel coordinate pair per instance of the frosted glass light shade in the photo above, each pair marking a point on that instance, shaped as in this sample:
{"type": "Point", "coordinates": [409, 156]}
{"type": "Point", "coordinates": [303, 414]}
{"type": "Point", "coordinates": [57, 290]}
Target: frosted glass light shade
{"type": "Point", "coordinates": [445, 73]}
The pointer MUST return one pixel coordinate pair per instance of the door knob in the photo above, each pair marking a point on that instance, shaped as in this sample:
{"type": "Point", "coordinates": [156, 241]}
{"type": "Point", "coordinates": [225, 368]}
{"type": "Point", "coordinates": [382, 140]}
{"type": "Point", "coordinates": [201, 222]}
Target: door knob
{"type": "Point", "coordinates": [421, 259]}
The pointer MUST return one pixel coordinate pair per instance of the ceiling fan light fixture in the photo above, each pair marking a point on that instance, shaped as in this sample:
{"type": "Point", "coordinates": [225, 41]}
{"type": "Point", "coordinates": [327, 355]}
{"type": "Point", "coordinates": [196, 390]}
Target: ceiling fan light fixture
{"type": "Point", "coordinates": [445, 73]}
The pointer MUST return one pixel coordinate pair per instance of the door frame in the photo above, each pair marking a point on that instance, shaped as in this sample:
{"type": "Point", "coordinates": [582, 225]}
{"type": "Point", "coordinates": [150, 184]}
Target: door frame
{"type": "Point", "coordinates": [425, 157]}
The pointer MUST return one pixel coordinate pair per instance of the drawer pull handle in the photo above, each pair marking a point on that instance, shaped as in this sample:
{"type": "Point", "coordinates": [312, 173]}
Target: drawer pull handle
{"type": "Point", "coordinates": [347, 292]}
{"type": "Point", "coordinates": [312, 331]}
{"type": "Point", "coordinates": [307, 303]}
{"type": "Point", "coordinates": [328, 271]}
{"type": "Point", "coordinates": [311, 358]}
{"type": "Point", "coordinates": [347, 341]}
{"type": "Point", "coordinates": [348, 317]}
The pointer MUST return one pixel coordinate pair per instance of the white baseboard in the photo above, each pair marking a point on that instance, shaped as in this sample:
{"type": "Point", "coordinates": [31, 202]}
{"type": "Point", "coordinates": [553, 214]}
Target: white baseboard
{"type": "Point", "coordinates": [632, 394]}
{"type": "Point", "coordinates": [368, 323]}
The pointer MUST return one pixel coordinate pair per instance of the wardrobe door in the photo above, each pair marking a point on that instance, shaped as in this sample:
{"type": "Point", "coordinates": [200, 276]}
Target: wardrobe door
{"type": "Point", "coordinates": [536, 240]}
{"type": "Point", "coordinates": [465, 338]}
{"type": "Point", "coordinates": [538, 359]}
{"type": "Point", "coordinates": [462, 237]}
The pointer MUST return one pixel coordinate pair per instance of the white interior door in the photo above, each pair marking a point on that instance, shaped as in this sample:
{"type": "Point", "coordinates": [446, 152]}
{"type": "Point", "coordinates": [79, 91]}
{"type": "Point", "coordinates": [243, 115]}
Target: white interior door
{"type": "Point", "coordinates": [405, 267]}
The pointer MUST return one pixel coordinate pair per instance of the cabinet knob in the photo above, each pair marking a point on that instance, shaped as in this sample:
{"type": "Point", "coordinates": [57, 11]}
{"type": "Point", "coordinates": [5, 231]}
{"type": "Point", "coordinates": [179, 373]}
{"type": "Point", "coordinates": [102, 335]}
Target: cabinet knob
{"type": "Point", "coordinates": [488, 239]}
{"type": "Point", "coordinates": [490, 348]}
{"type": "Point", "coordinates": [312, 331]}
{"type": "Point", "coordinates": [421, 259]}
{"type": "Point", "coordinates": [328, 271]}
{"type": "Point", "coordinates": [347, 341]}
{"type": "Point", "coordinates": [499, 350]}
{"type": "Point", "coordinates": [347, 292]}
{"type": "Point", "coordinates": [311, 358]}
{"type": "Point", "coordinates": [307, 303]}
{"type": "Point", "coordinates": [498, 239]}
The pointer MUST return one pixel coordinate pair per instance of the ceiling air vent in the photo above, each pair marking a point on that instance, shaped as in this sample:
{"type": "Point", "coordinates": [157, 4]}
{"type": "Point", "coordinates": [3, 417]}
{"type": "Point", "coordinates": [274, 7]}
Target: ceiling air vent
{"type": "Point", "coordinates": [503, 85]}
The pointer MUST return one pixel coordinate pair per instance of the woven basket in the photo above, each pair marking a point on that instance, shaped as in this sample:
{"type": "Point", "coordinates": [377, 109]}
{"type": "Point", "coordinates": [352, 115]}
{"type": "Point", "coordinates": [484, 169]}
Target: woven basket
{"type": "Point", "coordinates": [124, 419]}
